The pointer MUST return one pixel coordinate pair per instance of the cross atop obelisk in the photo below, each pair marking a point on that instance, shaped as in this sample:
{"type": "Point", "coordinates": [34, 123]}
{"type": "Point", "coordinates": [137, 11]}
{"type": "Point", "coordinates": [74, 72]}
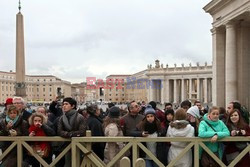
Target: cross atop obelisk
{"type": "Point", "coordinates": [20, 56]}
{"type": "Point", "coordinates": [19, 6]}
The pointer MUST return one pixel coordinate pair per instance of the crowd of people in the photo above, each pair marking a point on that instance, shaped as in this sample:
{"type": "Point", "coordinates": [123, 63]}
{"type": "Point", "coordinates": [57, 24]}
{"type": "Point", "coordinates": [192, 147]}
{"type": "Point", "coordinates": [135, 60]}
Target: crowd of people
{"type": "Point", "coordinates": [139, 120]}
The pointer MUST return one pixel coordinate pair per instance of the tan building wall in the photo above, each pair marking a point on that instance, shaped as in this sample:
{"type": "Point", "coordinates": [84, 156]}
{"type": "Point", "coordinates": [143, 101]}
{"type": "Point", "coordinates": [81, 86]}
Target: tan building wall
{"type": "Point", "coordinates": [39, 88]}
{"type": "Point", "coordinates": [119, 91]}
{"type": "Point", "coordinates": [78, 92]}
{"type": "Point", "coordinates": [137, 90]}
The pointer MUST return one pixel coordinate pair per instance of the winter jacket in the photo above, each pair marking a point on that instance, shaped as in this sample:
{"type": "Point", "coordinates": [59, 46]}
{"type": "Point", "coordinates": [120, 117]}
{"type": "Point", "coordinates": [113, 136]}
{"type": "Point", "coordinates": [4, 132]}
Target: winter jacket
{"type": "Point", "coordinates": [233, 149]}
{"type": "Point", "coordinates": [94, 124]}
{"type": "Point", "coordinates": [205, 131]}
{"type": "Point", "coordinates": [112, 148]}
{"type": "Point", "coordinates": [128, 124]}
{"type": "Point", "coordinates": [39, 132]}
{"type": "Point", "coordinates": [21, 127]}
{"type": "Point", "coordinates": [78, 129]}
{"type": "Point", "coordinates": [180, 129]}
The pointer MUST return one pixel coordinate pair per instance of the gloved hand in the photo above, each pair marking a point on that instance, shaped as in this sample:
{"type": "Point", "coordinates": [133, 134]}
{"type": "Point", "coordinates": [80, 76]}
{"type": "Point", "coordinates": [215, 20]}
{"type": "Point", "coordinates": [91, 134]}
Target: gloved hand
{"type": "Point", "coordinates": [12, 132]}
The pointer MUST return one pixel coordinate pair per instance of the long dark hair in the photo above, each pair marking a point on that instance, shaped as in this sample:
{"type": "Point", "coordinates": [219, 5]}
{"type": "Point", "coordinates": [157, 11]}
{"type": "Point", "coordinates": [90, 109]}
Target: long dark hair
{"type": "Point", "coordinates": [109, 120]}
{"type": "Point", "coordinates": [142, 124]}
{"type": "Point", "coordinates": [241, 123]}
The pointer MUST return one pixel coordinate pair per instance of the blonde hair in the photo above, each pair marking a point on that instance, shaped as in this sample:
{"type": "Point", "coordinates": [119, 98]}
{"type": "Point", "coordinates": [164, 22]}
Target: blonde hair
{"type": "Point", "coordinates": [31, 118]}
{"type": "Point", "coordinates": [213, 108]}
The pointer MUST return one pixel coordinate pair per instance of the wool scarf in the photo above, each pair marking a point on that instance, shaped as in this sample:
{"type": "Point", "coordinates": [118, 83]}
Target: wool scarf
{"type": "Point", "coordinates": [8, 119]}
{"type": "Point", "coordinates": [68, 119]}
{"type": "Point", "coordinates": [150, 127]}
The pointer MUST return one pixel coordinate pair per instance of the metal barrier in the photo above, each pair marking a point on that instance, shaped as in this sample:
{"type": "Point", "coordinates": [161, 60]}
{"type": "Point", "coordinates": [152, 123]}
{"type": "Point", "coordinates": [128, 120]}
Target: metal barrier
{"type": "Point", "coordinates": [83, 144]}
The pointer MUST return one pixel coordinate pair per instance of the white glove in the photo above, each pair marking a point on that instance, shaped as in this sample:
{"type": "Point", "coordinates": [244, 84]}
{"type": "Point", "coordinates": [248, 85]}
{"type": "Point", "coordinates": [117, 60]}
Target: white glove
{"type": "Point", "coordinates": [12, 132]}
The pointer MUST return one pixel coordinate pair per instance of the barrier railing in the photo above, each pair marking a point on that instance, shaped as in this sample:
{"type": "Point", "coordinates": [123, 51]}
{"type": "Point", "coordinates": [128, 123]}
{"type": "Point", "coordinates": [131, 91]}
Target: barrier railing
{"type": "Point", "coordinates": [82, 146]}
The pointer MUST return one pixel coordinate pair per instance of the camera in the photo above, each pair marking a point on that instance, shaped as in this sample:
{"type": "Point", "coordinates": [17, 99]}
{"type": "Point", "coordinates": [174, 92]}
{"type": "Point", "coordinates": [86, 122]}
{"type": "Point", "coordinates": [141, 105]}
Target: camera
{"type": "Point", "coordinates": [238, 133]}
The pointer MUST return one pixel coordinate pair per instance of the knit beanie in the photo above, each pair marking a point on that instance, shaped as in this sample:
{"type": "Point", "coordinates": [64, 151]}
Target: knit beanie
{"type": "Point", "coordinates": [149, 110]}
{"type": "Point", "coordinates": [71, 101]}
{"type": "Point", "coordinates": [194, 111]}
{"type": "Point", "coordinates": [114, 112]}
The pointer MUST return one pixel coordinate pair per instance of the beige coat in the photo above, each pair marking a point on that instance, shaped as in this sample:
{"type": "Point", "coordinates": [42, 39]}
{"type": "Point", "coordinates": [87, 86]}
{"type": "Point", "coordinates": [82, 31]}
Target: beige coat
{"type": "Point", "coordinates": [112, 148]}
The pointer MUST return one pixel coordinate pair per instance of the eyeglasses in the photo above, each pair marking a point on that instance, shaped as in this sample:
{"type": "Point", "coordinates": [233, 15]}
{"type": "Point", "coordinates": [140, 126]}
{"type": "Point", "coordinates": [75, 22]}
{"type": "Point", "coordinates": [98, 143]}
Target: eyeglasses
{"type": "Point", "coordinates": [18, 103]}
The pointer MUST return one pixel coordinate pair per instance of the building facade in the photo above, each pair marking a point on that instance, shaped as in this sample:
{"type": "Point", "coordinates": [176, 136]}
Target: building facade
{"type": "Point", "coordinates": [78, 92]}
{"type": "Point", "coordinates": [231, 41]}
{"type": "Point", "coordinates": [115, 89]}
{"type": "Point", "coordinates": [175, 84]}
{"type": "Point", "coordinates": [39, 88]}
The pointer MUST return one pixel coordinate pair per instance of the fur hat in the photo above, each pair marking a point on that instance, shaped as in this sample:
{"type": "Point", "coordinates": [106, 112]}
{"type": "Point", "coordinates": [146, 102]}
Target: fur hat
{"type": "Point", "coordinates": [149, 110]}
{"type": "Point", "coordinates": [114, 112]}
{"type": "Point", "coordinates": [8, 101]}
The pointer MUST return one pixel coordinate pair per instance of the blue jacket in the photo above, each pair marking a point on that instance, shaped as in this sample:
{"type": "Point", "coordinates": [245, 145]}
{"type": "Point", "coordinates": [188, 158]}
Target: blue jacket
{"type": "Point", "coordinates": [205, 131]}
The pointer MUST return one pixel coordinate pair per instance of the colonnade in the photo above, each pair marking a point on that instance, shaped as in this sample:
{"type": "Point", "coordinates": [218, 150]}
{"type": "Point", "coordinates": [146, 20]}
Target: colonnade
{"type": "Point", "coordinates": [176, 90]}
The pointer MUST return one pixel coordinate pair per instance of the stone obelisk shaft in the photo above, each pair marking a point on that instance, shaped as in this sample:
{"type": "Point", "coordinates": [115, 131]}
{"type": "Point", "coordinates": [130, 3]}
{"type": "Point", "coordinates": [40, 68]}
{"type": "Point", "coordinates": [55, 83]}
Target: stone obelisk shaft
{"type": "Point", "coordinates": [20, 57]}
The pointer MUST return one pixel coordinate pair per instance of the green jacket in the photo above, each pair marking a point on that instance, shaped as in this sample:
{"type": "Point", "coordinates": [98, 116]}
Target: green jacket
{"type": "Point", "coordinates": [205, 131]}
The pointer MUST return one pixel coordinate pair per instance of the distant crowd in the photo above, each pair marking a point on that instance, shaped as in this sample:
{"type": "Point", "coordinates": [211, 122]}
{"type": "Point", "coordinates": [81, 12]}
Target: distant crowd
{"type": "Point", "coordinates": [137, 120]}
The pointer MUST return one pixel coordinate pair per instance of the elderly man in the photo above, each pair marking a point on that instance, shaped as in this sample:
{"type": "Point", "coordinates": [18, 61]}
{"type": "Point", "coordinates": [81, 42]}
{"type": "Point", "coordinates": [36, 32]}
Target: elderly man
{"type": "Point", "coordinates": [19, 103]}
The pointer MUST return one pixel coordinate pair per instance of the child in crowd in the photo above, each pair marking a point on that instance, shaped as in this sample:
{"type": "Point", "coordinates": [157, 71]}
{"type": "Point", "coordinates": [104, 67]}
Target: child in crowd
{"type": "Point", "coordinates": [150, 127]}
{"type": "Point", "coordinates": [112, 128]}
{"type": "Point", "coordinates": [212, 127]}
{"type": "Point", "coordinates": [180, 128]}
{"type": "Point", "coordinates": [13, 125]}
{"type": "Point", "coordinates": [42, 148]}
{"type": "Point", "coordinates": [237, 127]}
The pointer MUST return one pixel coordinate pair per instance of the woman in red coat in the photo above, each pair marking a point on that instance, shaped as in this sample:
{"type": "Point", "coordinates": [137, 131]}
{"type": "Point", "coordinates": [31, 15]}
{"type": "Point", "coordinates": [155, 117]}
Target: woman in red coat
{"type": "Point", "coordinates": [237, 127]}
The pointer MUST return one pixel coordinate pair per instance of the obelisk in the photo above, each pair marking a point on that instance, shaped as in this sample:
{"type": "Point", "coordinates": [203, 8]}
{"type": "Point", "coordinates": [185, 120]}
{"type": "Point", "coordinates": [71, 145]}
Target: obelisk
{"type": "Point", "coordinates": [20, 57]}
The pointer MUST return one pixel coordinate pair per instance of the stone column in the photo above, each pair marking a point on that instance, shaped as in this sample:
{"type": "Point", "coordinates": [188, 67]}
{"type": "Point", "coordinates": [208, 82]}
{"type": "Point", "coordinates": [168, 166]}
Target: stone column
{"type": "Point", "coordinates": [243, 58]}
{"type": "Point", "coordinates": [175, 91]}
{"type": "Point", "coordinates": [231, 63]}
{"type": "Point", "coordinates": [150, 92]}
{"type": "Point", "coordinates": [178, 90]}
{"type": "Point", "coordinates": [198, 89]}
{"type": "Point", "coordinates": [163, 91]}
{"type": "Point", "coordinates": [183, 90]}
{"type": "Point", "coordinates": [167, 94]}
{"type": "Point", "coordinates": [218, 94]}
{"type": "Point", "coordinates": [205, 90]}
{"type": "Point", "coordinates": [209, 100]}
{"type": "Point", "coordinates": [190, 88]}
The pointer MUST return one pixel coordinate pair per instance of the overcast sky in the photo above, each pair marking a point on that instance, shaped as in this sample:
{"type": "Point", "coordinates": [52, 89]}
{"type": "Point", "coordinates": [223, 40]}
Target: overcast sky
{"type": "Point", "coordinates": [75, 39]}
